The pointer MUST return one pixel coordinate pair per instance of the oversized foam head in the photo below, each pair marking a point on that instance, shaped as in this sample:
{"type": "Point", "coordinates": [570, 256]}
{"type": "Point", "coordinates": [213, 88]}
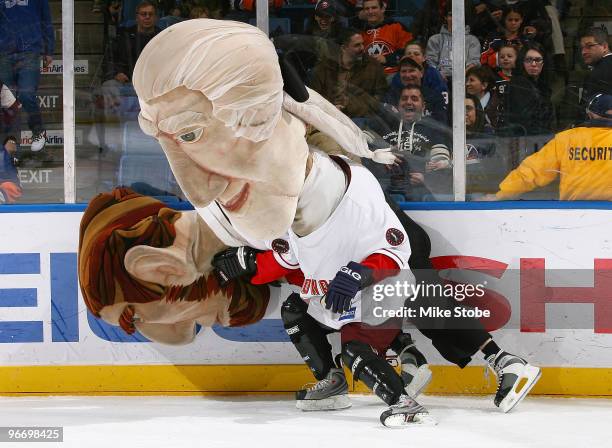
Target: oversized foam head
{"type": "Point", "coordinates": [115, 271]}
{"type": "Point", "coordinates": [211, 92]}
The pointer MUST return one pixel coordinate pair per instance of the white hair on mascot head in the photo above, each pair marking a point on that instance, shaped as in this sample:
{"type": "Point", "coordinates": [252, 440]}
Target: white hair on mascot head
{"type": "Point", "coordinates": [233, 64]}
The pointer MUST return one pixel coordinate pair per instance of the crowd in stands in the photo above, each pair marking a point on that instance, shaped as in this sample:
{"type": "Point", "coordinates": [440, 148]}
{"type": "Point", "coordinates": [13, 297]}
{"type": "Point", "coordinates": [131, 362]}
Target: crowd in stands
{"type": "Point", "coordinates": [387, 64]}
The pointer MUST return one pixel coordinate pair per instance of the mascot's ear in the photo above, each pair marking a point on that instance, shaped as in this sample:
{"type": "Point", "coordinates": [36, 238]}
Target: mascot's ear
{"type": "Point", "coordinates": [164, 266]}
{"type": "Point", "coordinates": [292, 83]}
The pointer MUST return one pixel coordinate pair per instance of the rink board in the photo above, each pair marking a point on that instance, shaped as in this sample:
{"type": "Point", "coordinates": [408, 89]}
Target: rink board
{"type": "Point", "coordinates": [50, 344]}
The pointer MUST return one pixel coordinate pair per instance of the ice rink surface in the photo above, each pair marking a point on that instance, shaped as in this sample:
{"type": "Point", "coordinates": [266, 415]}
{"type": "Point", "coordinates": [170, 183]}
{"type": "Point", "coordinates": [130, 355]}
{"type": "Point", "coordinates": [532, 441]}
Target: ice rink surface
{"type": "Point", "coordinates": [273, 421]}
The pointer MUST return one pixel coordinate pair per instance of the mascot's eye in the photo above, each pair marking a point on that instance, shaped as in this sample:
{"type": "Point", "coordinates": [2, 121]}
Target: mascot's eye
{"type": "Point", "coordinates": [192, 136]}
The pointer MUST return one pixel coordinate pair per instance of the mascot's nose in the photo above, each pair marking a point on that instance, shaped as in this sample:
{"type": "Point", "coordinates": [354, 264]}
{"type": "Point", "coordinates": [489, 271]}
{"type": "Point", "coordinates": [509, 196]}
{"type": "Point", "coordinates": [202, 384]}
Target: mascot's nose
{"type": "Point", "coordinates": [200, 185]}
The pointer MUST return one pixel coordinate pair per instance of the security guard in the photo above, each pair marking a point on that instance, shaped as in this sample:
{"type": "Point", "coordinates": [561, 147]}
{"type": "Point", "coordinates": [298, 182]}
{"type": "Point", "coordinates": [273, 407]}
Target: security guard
{"type": "Point", "coordinates": [582, 156]}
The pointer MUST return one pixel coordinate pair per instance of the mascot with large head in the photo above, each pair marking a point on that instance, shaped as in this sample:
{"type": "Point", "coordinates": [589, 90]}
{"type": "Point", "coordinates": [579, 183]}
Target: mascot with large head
{"type": "Point", "coordinates": [215, 96]}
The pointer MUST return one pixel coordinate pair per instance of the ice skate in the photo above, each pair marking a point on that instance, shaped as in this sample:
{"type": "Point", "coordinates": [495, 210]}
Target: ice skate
{"type": "Point", "coordinates": [515, 378]}
{"type": "Point", "coordinates": [416, 374]}
{"type": "Point", "coordinates": [406, 412]}
{"type": "Point", "coordinates": [331, 393]}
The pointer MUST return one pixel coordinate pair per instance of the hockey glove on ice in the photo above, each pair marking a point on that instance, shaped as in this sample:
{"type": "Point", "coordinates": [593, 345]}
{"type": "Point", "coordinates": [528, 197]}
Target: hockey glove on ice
{"type": "Point", "coordinates": [233, 263]}
{"type": "Point", "coordinates": [345, 285]}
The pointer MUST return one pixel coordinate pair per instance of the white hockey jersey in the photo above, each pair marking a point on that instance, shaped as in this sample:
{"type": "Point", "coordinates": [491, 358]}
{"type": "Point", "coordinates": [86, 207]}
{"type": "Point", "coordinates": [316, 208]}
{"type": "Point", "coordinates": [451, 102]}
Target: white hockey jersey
{"type": "Point", "coordinates": [362, 224]}
{"type": "Point", "coordinates": [230, 236]}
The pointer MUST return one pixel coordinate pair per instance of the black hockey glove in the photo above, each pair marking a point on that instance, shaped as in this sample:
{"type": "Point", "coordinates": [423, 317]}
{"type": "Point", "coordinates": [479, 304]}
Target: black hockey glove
{"type": "Point", "coordinates": [233, 263]}
{"type": "Point", "coordinates": [345, 285]}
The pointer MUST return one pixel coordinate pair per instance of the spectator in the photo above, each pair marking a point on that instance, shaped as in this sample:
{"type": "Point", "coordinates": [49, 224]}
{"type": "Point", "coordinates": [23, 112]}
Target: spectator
{"type": "Point", "coordinates": [487, 19]}
{"type": "Point", "coordinates": [131, 42]}
{"type": "Point", "coordinates": [481, 168]}
{"type": "Point", "coordinates": [535, 20]}
{"type": "Point", "coordinates": [325, 27]}
{"type": "Point", "coordinates": [431, 17]}
{"type": "Point", "coordinates": [432, 79]}
{"type": "Point", "coordinates": [384, 39]}
{"type": "Point", "coordinates": [26, 36]}
{"type": "Point", "coordinates": [475, 120]}
{"type": "Point", "coordinates": [325, 20]}
{"type": "Point", "coordinates": [596, 54]}
{"type": "Point", "coordinates": [476, 128]}
{"type": "Point", "coordinates": [10, 186]}
{"type": "Point", "coordinates": [9, 110]}
{"type": "Point", "coordinates": [511, 34]}
{"type": "Point", "coordinates": [425, 147]}
{"type": "Point", "coordinates": [319, 41]}
{"type": "Point", "coordinates": [527, 100]}
{"type": "Point", "coordinates": [479, 82]}
{"type": "Point", "coordinates": [352, 81]}
{"type": "Point", "coordinates": [507, 57]}
{"type": "Point", "coordinates": [411, 73]}
{"type": "Point", "coordinates": [581, 157]}
{"type": "Point", "coordinates": [116, 97]}
{"type": "Point", "coordinates": [439, 48]}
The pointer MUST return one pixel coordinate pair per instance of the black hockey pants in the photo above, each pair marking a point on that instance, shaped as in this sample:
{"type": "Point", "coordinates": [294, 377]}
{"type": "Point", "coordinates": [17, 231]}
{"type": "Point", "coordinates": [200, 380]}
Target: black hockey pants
{"type": "Point", "coordinates": [456, 339]}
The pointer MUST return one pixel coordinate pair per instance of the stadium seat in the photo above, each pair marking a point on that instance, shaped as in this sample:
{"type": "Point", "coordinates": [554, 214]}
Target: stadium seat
{"type": "Point", "coordinates": [405, 20]}
{"type": "Point", "coordinates": [276, 25]}
{"type": "Point", "coordinates": [167, 21]}
{"type": "Point", "coordinates": [407, 7]}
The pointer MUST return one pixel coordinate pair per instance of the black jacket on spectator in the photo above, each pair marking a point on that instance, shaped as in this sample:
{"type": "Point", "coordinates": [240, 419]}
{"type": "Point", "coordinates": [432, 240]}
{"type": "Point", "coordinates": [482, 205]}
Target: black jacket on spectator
{"type": "Point", "coordinates": [528, 107]}
{"type": "Point", "coordinates": [418, 141]}
{"type": "Point", "coordinates": [420, 137]}
{"type": "Point", "coordinates": [599, 80]}
{"type": "Point", "coordinates": [480, 136]}
{"type": "Point", "coordinates": [494, 109]}
{"type": "Point", "coordinates": [128, 47]}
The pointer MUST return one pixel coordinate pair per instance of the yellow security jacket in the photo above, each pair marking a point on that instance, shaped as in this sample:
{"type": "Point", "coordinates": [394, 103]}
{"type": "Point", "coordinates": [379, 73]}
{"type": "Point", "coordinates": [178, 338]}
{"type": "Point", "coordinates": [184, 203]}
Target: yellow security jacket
{"type": "Point", "coordinates": [581, 156]}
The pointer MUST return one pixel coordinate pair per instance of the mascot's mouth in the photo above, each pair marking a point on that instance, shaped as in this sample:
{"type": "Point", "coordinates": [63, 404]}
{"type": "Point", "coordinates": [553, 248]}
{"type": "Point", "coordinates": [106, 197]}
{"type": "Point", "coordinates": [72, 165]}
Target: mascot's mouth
{"type": "Point", "coordinates": [238, 200]}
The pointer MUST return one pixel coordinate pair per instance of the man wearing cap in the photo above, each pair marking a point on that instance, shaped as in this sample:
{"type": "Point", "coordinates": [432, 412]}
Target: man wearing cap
{"type": "Point", "coordinates": [352, 81]}
{"type": "Point", "coordinates": [411, 73]}
{"type": "Point", "coordinates": [324, 28]}
{"type": "Point", "coordinates": [582, 156]}
{"type": "Point", "coordinates": [324, 18]}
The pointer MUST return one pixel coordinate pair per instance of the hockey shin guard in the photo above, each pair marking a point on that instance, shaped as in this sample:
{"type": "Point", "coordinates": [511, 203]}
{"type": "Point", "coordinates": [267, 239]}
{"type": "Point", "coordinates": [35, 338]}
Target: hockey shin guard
{"type": "Point", "coordinates": [373, 370]}
{"type": "Point", "coordinates": [307, 336]}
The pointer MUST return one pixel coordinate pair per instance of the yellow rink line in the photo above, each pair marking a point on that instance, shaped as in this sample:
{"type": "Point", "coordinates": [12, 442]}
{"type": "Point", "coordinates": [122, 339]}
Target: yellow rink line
{"type": "Point", "coordinates": [205, 379]}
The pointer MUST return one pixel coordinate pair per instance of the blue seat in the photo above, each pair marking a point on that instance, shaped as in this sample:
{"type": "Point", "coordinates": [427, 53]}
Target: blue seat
{"type": "Point", "coordinates": [128, 13]}
{"type": "Point", "coordinates": [405, 20]}
{"type": "Point", "coordinates": [167, 21]}
{"type": "Point", "coordinates": [407, 7]}
{"type": "Point", "coordinates": [276, 24]}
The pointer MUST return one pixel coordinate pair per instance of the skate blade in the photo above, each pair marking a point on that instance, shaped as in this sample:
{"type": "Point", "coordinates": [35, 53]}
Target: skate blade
{"type": "Point", "coordinates": [531, 374]}
{"type": "Point", "coordinates": [335, 403]}
{"type": "Point", "coordinates": [407, 420]}
{"type": "Point", "coordinates": [420, 381]}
